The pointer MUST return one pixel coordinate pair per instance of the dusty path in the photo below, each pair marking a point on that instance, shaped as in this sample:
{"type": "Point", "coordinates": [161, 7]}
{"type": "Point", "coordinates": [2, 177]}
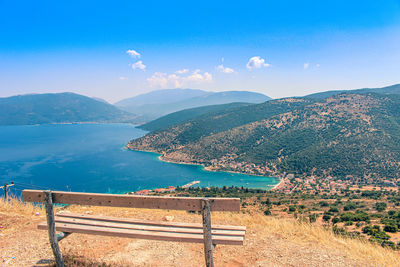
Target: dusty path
{"type": "Point", "coordinates": [269, 242]}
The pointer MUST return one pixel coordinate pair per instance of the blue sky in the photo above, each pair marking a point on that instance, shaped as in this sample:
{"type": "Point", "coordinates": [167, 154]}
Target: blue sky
{"type": "Point", "coordinates": [280, 48]}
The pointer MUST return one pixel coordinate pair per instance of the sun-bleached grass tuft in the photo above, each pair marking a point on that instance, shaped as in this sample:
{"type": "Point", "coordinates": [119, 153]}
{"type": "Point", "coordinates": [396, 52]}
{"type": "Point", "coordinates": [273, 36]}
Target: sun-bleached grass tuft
{"type": "Point", "coordinates": [14, 205]}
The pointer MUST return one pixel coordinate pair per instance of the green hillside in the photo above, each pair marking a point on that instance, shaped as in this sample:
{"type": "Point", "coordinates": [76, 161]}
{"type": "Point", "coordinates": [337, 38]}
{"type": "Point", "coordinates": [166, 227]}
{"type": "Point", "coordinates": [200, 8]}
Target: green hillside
{"type": "Point", "coordinates": [393, 89]}
{"type": "Point", "coordinates": [348, 136]}
{"type": "Point", "coordinates": [58, 108]}
{"type": "Point", "coordinates": [185, 115]}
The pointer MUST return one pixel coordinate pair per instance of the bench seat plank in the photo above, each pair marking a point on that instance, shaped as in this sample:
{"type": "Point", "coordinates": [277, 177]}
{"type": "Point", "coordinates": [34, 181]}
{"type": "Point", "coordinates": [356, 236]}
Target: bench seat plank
{"type": "Point", "coordinates": [147, 222]}
{"type": "Point", "coordinates": [151, 235]}
{"type": "Point", "coordinates": [138, 226]}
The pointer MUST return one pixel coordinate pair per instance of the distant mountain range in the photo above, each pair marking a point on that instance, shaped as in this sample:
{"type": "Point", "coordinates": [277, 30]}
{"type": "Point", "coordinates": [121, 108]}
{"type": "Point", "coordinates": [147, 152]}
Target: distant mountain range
{"type": "Point", "coordinates": [347, 136]}
{"type": "Point", "coordinates": [180, 105]}
{"type": "Point", "coordinates": [58, 108]}
{"type": "Point", "coordinates": [158, 103]}
{"type": "Point", "coordinates": [70, 107]}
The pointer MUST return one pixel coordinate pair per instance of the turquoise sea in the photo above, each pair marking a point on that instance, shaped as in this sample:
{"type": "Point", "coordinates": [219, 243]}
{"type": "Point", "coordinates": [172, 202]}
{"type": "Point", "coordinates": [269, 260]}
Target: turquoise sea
{"type": "Point", "coordinates": [92, 158]}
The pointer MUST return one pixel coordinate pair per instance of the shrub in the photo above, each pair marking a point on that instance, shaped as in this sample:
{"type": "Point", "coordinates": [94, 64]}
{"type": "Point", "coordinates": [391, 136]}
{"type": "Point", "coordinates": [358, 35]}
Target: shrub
{"type": "Point", "coordinates": [372, 194]}
{"type": "Point", "coordinates": [355, 217]}
{"type": "Point", "coordinates": [350, 206]}
{"type": "Point", "coordinates": [376, 232]}
{"type": "Point", "coordinates": [312, 217]}
{"type": "Point", "coordinates": [326, 217]}
{"type": "Point", "coordinates": [267, 212]}
{"type": "Point", "coordinates": [380, 206]}
{"type": "Point", "coordinates": [333, 209]}
{"type": "Point", "coordinates": [369, 228]}
{"type": "Point", "coordinates": [323, 204]}
{"type": "Point", "coordinates": [292, 208]}
{"type": "Point", "coordinates": [391, 228]}
{"type": "Point", "coordinates": [338, 230]}
{"type": "Point", "coordinates": [335, 220]}
{"type": "Point", "coordinates": [387, 243]}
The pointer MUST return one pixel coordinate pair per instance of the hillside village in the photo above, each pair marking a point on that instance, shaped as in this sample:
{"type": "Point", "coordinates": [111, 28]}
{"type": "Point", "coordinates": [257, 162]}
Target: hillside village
{"type": "Point", "coordinates": [327, 186]}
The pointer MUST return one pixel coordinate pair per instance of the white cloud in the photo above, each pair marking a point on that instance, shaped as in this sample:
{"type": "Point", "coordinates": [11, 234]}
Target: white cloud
{"type": "Point", "coordinates": [256, 63]}
{"type": "Point", "coordinates": [182, 71]}
{"type": "Point", "coordinates": [306, 65]}
{"type": "Point", "coordinates": [133, 53]}
{"type": "Point", "coordinates": [223, 69]}
{"type": "Point", "coordinates": [158, 79]}
{"type": "Point", "coordinates": [164, 80]}
{"type": "Point", "coordinates": [138, 65]}
{"type": "Point", "coordinates": [122, 78]}
{"type": "Point", "coordinates": [196, 76]}
{"type": "Point", "coordinates": [317, 65]}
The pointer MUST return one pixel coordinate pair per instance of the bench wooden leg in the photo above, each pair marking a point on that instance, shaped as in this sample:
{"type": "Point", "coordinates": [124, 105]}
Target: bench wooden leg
{"type": "Point", "coordinates": [52, 229]}
{"type": "Point", "coordinates": [208, 245]}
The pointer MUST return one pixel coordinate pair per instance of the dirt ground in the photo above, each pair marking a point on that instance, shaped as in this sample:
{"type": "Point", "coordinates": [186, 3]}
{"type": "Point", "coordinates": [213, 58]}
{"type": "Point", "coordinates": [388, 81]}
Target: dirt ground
{"type": "Point", "coordinates": [269, 242]}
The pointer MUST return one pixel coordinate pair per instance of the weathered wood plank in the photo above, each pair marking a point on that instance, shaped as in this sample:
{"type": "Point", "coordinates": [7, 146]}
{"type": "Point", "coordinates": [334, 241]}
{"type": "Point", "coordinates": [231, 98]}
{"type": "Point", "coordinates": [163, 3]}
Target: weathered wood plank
{"type": "Point", "coordinates": [50, 224]}
{"type": "Point", "coordinates": [147, 222]}
{"type": "Point", "coordinates": [207, 236]}
{"type": "Point", "coordinates": [147, 202]}
{"type": "Point", "coordinates": [151, 235]}
{"type": "Point", "coordinates": [135, 226]}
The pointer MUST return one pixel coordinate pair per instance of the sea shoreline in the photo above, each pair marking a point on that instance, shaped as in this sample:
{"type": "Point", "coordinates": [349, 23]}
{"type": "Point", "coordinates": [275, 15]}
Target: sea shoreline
{"type": "Point", "coordinates": [211, 170]}
{"type": "Point", "coordinates": [204, 168]}
{"type": "Point", "coordinates": [278, 184]}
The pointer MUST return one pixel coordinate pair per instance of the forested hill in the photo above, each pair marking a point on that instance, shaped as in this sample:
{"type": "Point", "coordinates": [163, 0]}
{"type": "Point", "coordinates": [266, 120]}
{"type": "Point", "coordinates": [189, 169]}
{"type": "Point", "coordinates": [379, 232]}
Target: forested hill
{"type": "Point", "coordinates": [58, 108]}
{"type": "Point", "coordinates": [392, 89]}
{"type": "Point", "coordinates": [348, 136]}
{"type": "Point", "coordinates": [185, 115]}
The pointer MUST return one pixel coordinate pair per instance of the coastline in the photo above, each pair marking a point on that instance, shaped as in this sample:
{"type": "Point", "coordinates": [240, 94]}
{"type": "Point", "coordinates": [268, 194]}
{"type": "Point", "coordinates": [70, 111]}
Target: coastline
{"type": "Point", "coordinates": [210, 170]}
{"type": "Point", "coordinates": [204, 168]}
{"type": "Point", "coordinates": [277, 185]}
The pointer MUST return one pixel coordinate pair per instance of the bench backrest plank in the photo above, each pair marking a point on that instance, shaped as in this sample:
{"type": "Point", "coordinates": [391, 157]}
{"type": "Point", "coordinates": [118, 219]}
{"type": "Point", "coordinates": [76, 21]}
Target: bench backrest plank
{"type": "Point", "coordinates": [131, 201]}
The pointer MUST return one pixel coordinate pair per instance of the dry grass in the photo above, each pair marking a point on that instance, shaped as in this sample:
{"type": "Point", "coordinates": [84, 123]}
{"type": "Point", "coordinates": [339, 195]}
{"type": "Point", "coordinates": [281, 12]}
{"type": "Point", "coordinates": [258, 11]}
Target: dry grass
{"type": "Point", "coordinates": [15, 205]}
{"type": "Point", "coordinates": [270, 241]}
{"type": "Point", "coordinates": [317, 236]}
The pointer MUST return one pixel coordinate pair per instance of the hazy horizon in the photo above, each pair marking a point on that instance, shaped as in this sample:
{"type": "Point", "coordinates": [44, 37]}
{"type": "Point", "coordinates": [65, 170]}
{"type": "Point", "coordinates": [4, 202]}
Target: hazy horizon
{"type": "Point", "coordinates": [113, 102]}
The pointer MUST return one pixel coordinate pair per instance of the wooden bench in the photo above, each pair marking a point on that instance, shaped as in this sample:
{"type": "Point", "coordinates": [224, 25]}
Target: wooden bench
{"type": "Point", "coordinates": [68, 223]}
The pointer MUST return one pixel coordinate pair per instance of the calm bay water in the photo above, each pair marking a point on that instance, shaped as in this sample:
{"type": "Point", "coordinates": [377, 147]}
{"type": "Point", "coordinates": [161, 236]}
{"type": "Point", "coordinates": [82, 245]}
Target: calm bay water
{"type": "Point", "coordinates": [92, 158]}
